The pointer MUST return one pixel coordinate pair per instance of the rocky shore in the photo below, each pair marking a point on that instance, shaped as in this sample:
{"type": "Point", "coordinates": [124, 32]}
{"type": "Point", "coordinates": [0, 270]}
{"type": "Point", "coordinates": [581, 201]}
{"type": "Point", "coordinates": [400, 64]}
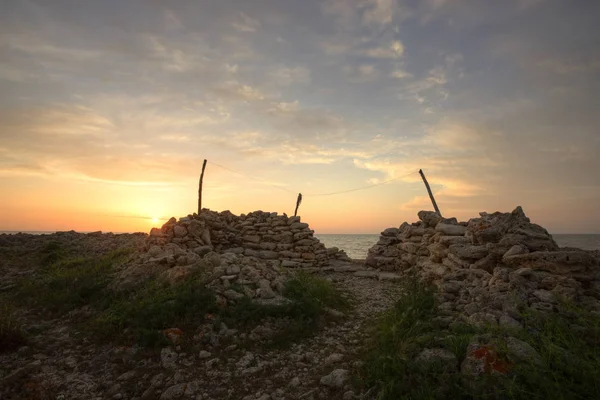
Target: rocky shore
{"type": "Point", "coordinates": [489, 268]}
{"type": "Point", "coordinates": [489, 274]}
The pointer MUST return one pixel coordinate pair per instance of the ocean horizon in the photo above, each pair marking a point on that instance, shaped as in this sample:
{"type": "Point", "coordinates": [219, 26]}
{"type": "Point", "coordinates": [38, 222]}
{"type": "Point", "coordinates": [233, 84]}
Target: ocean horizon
{"type": "Point", "coordinates": [356, 245]}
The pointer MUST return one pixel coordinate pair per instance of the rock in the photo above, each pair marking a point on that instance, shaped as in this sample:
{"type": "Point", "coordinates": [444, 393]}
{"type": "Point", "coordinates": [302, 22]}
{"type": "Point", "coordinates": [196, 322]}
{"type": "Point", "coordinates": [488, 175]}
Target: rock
{"type": "Point", "coordinates": [469, 251]}
{"type": "Point", "coordinates": [245, 361]}
{"type": "Point", "coordinates": [545, 296]}
{"type": "Point", "coordinates": [435, 359]}
{"type": "Point", "coordinates": [179, 231]}
{"type": "Point", "coordinates": [349, 395]}
{"type": "Point", "coordinates": [265, 289]}
{"type": "Point", "coordinates": [295, 382]}
{"type": "Point", "coordinates": [516, 250]}
{"type": "Point", "coordinates": [388, 276]}
{"type": "Point", "coordinates": [509, 323]}
{"type": "Point", "coordinates": [203, 250]}
{"type": "Point", "coordinates": [333, 358]}
{"type": "Point", "coordinates": [175, 335]}
{"type": "Point", "coordinates": [451, 230]}
{"type": "Point", "coordinates": [203, 354]}
{"type": "Point", "coordinates": [483, 359]}
{"type": "Point", "coordinates": [233, 295]}
{"type": "Point", "coordinates": [429, 218]}
{"type": "Point", "coordinates": [211, 363]}
{"type": "Point", "coordinates": [335, 379]}
{"type": "Point", "coordinates": [168, 358]}
{"type": "Point", "coordinates": [482, 319]}
{"type": "Point", "coordinates": [299, 225]}
{"type": "Point", "coordinates": [391, 232]}
{"type": "Point", "coordinates": [451, 287]}
{"type": "Point", "coordinates": [519, 350]}
{"type": "Point", "coordinates": [174, 392]}
{"type": "Point", "coordinates": [556, 262]}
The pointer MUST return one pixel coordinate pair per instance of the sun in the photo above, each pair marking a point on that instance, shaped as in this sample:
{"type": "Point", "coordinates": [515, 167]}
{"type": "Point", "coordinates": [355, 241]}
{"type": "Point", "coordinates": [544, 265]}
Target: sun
{"type": "Point", "coordinates": [154, 220]}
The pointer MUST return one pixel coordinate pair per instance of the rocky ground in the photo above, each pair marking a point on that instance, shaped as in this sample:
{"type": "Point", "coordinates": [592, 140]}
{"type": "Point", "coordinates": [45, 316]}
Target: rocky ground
{"type": "Point", "coordinates": [488, 308]}
{"type": "Point", "coordinates": [60, 362]}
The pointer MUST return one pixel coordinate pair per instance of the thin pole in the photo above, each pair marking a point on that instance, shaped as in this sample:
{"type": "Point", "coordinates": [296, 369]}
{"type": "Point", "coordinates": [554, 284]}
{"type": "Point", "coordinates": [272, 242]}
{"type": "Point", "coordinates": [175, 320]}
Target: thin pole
{"type": "Point", "coordinates": [437, 210]}
{"type": "Point", "coordinates": [298, 203]}
{"type": "Point", "coordinates": [200, 187]}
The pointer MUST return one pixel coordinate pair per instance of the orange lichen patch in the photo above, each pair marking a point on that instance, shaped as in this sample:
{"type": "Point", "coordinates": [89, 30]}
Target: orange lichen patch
{"type": "Point", "coordinates": [491, 361]}
{"type": "Point", "coordinates": [173, 334]}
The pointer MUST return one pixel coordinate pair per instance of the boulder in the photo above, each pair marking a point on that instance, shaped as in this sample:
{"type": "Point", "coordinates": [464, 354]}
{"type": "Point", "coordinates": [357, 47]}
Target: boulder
{"type": "Point", "coordinates": [437, 360]}
{"type": "Point", "coordinates": [450, 230]}
{"type": "Point", "coordinates": [429, 218]}
{"type": "Point", "coordinates": [336, 379]}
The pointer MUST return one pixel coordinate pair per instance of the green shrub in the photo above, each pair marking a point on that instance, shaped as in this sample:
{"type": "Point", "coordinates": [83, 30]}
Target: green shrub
{"type": "Point", "coordinates": [156, 306]}
{"type": "Point", "coordinates": [11, 334]}
{"type": "Point", "coordinates": [570, 351]}
{"type": "Point", "coordinates": [568, 346]}
{"type": "Point", "coordinates": [397, 338]}
{"type": "Point", "coordinates": [308, 298]}
{"type": "Point", "coordinates": [67, 284]}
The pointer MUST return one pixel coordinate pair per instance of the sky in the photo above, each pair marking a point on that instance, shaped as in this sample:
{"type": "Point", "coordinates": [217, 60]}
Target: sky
{"type": "Point", "coordinates": [107, 109]}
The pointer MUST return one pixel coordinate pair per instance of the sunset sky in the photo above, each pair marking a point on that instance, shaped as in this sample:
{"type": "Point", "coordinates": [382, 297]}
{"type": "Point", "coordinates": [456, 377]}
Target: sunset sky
{"type": "Point", "coordinates": [107, 109]}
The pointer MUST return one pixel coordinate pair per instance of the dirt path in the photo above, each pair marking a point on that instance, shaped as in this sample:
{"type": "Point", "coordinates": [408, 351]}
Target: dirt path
{"type": "Point", "coordinates": [59, 364]}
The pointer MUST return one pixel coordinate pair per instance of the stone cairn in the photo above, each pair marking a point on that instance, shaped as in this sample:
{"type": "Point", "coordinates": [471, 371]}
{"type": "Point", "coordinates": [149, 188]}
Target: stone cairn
{"type": "Point", "coordinates": [247, 255]}
{"type": "Point", "coordinates": [488, 269]}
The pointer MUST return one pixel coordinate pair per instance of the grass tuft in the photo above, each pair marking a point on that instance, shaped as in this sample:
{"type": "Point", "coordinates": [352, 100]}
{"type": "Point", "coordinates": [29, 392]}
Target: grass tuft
{"type": "Point", "coordinates": [397, 338]}
{"type": "Point", "coordinates": [142, 315]}
{"type": "Point", "coordinates": [568, 345]}
{"type": "Point", "coordinates": [308, 299]}
{"type": "Point", "coordinates": [11, 334]}
{"type": "Point", "coordinates": [67, 284]}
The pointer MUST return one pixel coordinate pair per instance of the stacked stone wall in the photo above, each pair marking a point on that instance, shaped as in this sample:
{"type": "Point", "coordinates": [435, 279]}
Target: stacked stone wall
{"type": "Point", "coordinates": [278, 240]}
{"type": "Point", "coordinates": [489, 268]}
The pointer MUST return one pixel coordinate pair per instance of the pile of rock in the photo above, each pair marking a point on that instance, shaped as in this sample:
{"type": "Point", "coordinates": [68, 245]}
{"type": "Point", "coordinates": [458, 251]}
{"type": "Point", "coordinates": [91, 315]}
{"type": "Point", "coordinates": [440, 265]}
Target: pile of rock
{"type": "Point", "coordinates": [487, 269]}
{"type": "Point", "coordinates": [278, 239]}
{"type": "Point", "coordinates": [239, 256]}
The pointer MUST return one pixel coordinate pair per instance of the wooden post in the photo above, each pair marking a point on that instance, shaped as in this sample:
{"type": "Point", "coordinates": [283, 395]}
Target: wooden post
{"type": "Point", "coordinates": [200, 188]}
{"type": "Point", "coordinates": [437, 210]}
{"type": "Point", "coordinates": [298, 203]}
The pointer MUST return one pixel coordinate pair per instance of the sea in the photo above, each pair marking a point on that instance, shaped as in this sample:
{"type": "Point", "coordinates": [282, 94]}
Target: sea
{"type": "Point", "coordinates": [357, 245]}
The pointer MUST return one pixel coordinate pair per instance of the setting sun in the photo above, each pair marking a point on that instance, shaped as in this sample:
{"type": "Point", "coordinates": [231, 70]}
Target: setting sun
{"type": "Point", "coordinates": [154, 220]}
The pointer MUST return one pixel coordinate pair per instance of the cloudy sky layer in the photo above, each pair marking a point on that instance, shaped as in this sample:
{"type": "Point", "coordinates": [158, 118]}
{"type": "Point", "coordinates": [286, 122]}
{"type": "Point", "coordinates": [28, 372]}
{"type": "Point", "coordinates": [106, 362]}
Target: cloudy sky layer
{"type": "Point", "coordinates": [107, 109]}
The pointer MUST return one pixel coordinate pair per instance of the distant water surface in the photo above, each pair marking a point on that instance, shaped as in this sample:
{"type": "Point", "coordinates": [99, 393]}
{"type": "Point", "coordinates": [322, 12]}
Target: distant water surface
{"type": "Point", "coordinates": [357, 246]}
{"type": "Point", "coordinates": [581, 241]}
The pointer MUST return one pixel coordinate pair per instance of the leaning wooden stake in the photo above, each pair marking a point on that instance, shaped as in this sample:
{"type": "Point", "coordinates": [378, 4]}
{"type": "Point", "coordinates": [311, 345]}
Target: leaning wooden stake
{"type": "Point", "coordinates": [298, 203]}
{"type": "Point", "coordinates": [200, 187]}
{"type": "Point", "coordinates": [437, 210]}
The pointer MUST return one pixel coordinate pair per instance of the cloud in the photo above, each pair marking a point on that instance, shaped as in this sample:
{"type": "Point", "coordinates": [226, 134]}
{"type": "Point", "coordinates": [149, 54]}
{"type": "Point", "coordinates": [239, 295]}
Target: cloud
{"type": "Point", "coordinates": [394, 51]}
{"type": "Point", "coordinates": [378, 13]}
{"type": "Point", "coordinates": [361, 73]}
{"type": "Point", "coordinates": [286, 76]}
{"type": "Point", "coordinates": [236, 91]}
{"type": "Point", "coordinates": [400, 73]}
{"type": "Point", "coordinates": [246, 24]}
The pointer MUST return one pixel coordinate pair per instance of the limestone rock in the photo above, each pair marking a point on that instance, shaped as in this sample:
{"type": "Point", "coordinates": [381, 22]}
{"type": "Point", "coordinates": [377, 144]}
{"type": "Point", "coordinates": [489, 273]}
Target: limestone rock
{"type": "Point", "coordinates": [522, 351]}
{"type": "Point", "coordinates": [335, 379]}
{"type": "Point", "coordinates": [433, 359]}
{"type": "Point", "coordinates": [429, 218]}
{"type": "Point", "coordinates": [450, 230]}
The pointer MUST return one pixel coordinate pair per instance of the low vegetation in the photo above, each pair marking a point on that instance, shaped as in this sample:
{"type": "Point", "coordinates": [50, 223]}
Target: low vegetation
{"type": "Point", "coordinates": [63, 284]}
{"type": "Point", "coordinates": [11, 333]}
{"type": "Point", "coordinates": [309, 299]}
{"type": "Point", "coordinates": [568, 346]}
{"type": "Point", "coordinates": [140, 316]}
